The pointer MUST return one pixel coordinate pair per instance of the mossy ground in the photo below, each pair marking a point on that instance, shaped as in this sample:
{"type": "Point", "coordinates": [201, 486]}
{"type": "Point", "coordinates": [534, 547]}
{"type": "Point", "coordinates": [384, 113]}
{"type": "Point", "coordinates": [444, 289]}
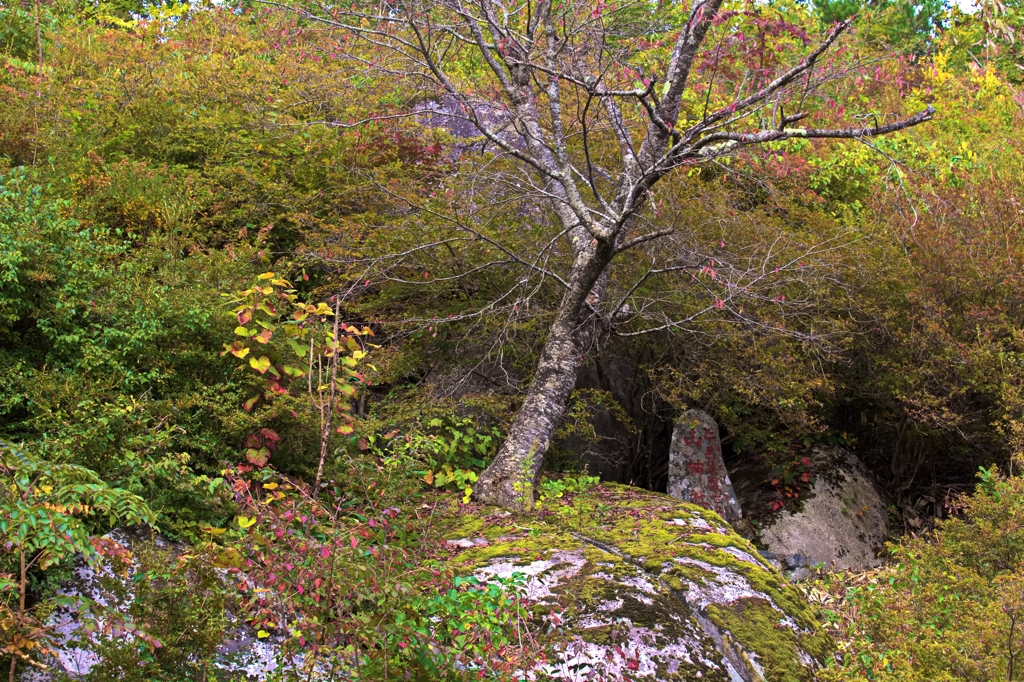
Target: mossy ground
{"type": "Point", "coordinates": [625, 536]}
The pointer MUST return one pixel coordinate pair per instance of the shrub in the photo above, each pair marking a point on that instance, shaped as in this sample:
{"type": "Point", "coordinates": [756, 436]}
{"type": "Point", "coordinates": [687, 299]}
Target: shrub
{"type": "Point", "coordinates": [951, 606]}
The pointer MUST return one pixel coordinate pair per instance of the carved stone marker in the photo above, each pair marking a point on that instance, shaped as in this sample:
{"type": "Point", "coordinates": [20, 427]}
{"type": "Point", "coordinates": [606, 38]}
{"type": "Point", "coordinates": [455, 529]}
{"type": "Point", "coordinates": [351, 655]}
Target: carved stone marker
{"type": "Point", "coordinates": [696, 471]}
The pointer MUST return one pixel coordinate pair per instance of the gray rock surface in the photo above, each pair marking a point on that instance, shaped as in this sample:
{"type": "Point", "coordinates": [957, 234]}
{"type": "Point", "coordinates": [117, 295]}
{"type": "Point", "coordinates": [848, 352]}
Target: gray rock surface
{"type": "Point", "coordinates": [621, 584]}
{"type": "Point", "coordinates": [842, 524]}
{"type": "Point", "coordinates": [639, 586]}
{"type": "Point", "coordinates": [240, 656]}
{"type": "Point", "coordinates": [696, 472]}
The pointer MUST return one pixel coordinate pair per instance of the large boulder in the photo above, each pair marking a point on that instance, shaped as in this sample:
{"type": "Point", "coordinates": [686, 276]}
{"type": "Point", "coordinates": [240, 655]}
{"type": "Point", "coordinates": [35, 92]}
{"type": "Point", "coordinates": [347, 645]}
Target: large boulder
{"type": "Point", "coordinates": [631, 584]}
{"type": "Point", "coordinates": [696, 470]}
{"type": "Point", "coordinates": [622, 584]}
{"type": "Point", "coordinates": [841, 522]}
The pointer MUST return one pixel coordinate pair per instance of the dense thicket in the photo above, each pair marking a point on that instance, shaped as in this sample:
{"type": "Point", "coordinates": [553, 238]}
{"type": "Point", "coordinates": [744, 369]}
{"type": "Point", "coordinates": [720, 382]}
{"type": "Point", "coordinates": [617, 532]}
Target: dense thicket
{"type": "Point", "coordinates": [150, 166]}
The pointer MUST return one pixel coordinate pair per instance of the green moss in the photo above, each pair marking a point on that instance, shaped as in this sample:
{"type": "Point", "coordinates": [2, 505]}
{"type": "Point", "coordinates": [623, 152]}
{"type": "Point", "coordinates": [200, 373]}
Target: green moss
{"type": "Point", "coordinates": [643, 532]}
{"type": "Point", "coordinates": [689, 573]}
{"type": "Point", "coordinates": [754, 625]}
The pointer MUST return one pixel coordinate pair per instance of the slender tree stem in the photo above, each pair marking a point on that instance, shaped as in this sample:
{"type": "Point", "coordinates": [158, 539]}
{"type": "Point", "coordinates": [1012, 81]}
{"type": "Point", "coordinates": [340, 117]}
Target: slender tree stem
{"type": "Point", "coordinates": [325, 434]}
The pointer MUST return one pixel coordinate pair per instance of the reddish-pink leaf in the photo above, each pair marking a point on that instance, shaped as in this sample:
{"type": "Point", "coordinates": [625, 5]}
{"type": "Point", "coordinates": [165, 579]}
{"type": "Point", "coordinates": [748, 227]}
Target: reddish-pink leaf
{"type": "Point", "coordinates": [258, 457]}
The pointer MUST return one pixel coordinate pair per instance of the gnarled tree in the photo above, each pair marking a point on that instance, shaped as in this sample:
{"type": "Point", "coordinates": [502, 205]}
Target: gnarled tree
{"type": "Point", "coordinates": [597, 104]}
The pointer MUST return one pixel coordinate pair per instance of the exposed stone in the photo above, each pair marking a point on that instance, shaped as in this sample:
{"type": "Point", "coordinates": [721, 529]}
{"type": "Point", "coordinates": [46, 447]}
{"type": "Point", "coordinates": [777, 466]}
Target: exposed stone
{"type": "Point", "coordinates": [842, 522]}
{"type": "Point", "coordinates": [696, 472]}
{"type": "Point", "coordinates": [629, 584]}
{"type": "Point", "coordinates": [623, 584]}
{"type": "Point", "coordinates": [240, 656]}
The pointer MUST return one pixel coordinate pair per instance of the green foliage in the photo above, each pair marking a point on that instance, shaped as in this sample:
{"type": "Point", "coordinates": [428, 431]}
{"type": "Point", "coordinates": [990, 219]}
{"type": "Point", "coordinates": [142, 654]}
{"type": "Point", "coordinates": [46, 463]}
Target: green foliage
{"type": "Point", "coordinates": [110, 351]}
{"type": "Point", "coordinates": [553, 489]}
{"type": "Point", "coordinates": [453, 449]}
{"type": "Point", "coordinates": [47, 507]}
{"type": "Point", "coordinates": [17, 34]}
{"type": "Point", "coordinates": [178, 601]}
{"type": "Point", "coordinates": [472, 621]}
{"type": "Point", "coordinates": [353, 582]}
{"type": "Point", "coordinates": [903, 24]}
{"type": "Point", "coordinates": [949, 608]}
{"type": "Point", "coordinates": [48, 514]}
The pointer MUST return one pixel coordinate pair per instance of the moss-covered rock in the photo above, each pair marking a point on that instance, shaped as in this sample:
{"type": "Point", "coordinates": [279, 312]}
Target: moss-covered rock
{"type": "Point", "coordinates": [626, 582]}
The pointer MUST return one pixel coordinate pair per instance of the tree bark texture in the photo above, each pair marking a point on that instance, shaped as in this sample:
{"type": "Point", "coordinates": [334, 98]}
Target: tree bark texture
{"type": "Point", "coordinates": [511, 479]}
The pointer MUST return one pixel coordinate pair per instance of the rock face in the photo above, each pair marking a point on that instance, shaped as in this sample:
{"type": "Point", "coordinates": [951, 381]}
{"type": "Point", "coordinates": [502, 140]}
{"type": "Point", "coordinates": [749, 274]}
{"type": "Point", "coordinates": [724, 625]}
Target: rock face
{"type": "Point", "coordinates": [636, 585]}
{"type": "Point", "coordinates": [696, 471]}
{"type": "Point", "coordinates": [842, 524]}
{"type": "Point", "coordinates": [622, 584]}
{"type": "Point", "coordinates": [240, 656]}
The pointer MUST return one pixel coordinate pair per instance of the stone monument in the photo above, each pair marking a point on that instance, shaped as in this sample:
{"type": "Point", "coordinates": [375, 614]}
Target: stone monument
{"type": "Point", "coordinates": [696, 471]}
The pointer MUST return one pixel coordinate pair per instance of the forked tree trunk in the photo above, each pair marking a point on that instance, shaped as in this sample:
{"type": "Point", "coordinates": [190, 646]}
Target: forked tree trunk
{"type": "Point", "coordinates": [511, 478]}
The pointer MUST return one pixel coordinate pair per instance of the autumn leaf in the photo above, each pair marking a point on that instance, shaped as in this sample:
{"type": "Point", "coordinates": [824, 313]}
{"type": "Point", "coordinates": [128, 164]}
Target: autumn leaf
{"type": "Point", "coordinates": [261, 365]}
{"type": "Point", "coordinates": [258, 457]}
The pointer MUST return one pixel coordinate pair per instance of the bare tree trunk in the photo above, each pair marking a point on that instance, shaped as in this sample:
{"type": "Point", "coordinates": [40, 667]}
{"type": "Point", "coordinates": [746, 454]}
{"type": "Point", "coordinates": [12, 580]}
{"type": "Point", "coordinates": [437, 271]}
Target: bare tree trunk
{"type": "Point", "coordinates": [511, 478]}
